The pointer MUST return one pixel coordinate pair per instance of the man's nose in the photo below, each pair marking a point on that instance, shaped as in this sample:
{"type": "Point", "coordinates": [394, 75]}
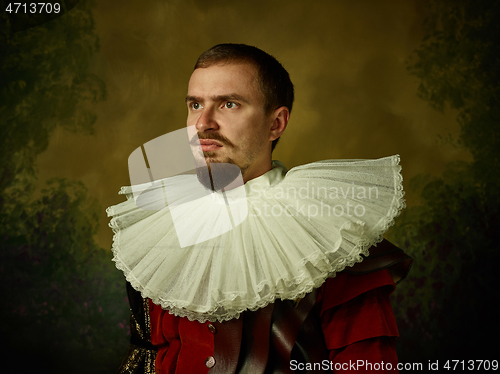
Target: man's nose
{"type": "Point", "coordinates": [206, 121]}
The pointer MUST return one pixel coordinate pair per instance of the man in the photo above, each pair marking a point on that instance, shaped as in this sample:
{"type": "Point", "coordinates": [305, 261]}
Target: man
{"type": "Point", "coordinates": [269, 295]}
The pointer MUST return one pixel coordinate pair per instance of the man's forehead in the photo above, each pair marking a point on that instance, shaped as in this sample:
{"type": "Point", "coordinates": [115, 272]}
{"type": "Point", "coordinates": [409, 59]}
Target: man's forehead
{"type": "Point", "coordinates": [222, 79]}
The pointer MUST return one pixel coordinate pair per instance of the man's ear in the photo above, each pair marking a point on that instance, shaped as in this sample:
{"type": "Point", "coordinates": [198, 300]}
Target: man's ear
{"type": "Point", "coordinates": [280, 120]}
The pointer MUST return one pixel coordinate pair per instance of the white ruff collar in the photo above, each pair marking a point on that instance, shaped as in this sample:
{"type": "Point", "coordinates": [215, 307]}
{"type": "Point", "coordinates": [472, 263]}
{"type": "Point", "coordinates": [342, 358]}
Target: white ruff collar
{"type": "Point", "coordinates": [297, 229]}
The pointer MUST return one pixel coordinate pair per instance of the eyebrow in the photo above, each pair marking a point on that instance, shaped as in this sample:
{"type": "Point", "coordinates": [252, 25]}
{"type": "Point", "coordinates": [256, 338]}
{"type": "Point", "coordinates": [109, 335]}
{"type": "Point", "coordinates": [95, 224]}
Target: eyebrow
{"type": "Point", "coordinates": [229, 97]}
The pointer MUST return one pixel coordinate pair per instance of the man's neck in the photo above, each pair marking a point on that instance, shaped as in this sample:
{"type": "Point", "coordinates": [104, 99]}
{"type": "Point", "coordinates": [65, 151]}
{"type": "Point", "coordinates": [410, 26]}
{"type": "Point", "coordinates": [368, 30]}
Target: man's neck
{"type": "Point", "coordinates": [257, 172]}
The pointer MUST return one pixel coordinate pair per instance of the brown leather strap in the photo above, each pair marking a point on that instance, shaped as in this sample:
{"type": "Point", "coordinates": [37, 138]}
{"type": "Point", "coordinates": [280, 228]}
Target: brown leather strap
{"type": "Point", "coordinates": [287, 321]}
{"type": "Point", "coordinates": [267, 338]}
{"type": "Point", "coordinates": [310, 346]}
{"type": "Point", "coordinates": [384, 256]}
{"type": "Point", "coordinates": [227, 342]}
{"type": "Point", "coordinates": [255, 345]}
{"type": "Point", "coordinates": [242, 345]}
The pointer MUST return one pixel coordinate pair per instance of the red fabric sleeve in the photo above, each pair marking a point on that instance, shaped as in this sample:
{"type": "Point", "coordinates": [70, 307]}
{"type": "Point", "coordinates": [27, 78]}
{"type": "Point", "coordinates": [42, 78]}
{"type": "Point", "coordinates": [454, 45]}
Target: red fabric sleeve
{"type": "Point", "coordinates": [358, 322]}
{"type": "Point", "coordinates": [374, 355]}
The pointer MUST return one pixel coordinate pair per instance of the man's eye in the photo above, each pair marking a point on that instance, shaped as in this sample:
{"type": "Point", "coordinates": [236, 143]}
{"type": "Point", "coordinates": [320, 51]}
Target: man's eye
{"type": "Point", "coordinates": [230, 105]}
{"type": "Point", "coordinates": [195, 106]}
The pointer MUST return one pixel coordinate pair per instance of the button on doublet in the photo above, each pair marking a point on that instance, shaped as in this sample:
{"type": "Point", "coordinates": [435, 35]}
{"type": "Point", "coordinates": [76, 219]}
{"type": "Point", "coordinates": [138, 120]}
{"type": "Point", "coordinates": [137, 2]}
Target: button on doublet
{"type": "Point", "coordinates": [210, 362]}
{"type": "Point", "coordinates": [211, 328]}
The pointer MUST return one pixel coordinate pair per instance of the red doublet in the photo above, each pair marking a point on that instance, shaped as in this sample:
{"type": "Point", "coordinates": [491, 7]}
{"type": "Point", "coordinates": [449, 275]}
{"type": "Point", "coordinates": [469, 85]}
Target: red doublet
{"type": "Point", "coordinates": [356, 316]}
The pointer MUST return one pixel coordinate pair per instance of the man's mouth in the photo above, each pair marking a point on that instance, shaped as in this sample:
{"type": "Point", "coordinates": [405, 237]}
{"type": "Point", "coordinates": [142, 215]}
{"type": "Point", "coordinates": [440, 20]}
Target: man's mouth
{"type": "Point", "coordinates": [208, 145]}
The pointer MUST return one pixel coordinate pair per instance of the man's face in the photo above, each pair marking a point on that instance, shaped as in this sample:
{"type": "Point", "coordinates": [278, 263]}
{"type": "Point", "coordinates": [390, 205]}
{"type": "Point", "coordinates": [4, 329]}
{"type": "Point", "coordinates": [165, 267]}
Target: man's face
{"type": "Point", "coordinates": [226, 106]}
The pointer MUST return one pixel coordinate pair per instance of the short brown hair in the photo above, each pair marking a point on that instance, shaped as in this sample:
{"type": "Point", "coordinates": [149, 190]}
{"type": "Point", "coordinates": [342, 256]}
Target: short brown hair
{"type": "Point", "coordinates": [273, 79]}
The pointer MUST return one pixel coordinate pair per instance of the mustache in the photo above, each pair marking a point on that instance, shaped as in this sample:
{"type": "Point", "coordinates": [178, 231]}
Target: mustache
{"type": "Point", "coordinates": [213, 136]}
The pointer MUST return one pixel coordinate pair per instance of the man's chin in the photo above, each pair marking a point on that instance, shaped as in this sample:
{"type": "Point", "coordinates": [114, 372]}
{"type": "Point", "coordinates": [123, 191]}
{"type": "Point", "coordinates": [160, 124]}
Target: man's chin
{"type": "Point", "coordinates": [217, 175]}
{"type": "Point", "coordinates": [213, 156]}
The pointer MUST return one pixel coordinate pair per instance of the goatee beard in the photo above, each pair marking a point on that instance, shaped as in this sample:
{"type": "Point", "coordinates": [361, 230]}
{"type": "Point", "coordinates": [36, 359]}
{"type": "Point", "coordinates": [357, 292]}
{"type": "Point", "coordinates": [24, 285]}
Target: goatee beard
{"type": "Point", "coordinates": [216, 176]}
